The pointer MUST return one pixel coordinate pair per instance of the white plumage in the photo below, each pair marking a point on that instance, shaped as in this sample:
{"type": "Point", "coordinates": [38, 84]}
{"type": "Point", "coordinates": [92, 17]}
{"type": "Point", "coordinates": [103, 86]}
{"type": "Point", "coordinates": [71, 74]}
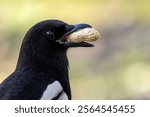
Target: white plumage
{"type": "Point", "coordinates": [53, 90]}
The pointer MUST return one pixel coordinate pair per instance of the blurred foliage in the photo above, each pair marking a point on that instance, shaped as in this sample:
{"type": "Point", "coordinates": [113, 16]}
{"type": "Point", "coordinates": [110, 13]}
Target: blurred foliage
{"type": "Point", "coordinates": [119, 64]}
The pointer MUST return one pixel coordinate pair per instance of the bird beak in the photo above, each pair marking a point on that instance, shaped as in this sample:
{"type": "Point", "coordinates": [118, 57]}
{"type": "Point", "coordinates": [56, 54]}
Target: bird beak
{"type": "Point", "coordinates": [71, 30]}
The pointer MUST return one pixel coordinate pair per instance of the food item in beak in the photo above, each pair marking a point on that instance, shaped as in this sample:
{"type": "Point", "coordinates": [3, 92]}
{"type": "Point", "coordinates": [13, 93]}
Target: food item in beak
{"type": "Point", "coordinates": [86, 34]}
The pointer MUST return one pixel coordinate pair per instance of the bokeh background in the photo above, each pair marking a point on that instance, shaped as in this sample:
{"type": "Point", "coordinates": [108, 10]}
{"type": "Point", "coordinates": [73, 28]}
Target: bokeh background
{"type": "Point", "coordinates": [118, 67]}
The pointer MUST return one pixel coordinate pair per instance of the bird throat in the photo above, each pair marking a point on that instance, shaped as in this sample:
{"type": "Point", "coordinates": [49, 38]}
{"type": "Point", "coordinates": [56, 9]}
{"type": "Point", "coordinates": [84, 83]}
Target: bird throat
{"type": "Point", "coordinates": [54, 66]}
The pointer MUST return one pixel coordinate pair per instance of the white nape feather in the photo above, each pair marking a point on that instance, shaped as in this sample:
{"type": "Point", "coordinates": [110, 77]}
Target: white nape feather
{"type": "Point", "coordinates": [53, 90]}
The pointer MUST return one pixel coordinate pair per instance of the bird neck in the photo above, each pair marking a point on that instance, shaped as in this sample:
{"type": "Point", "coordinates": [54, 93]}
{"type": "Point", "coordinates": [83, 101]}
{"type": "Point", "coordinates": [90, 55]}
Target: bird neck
{"type": "Point", "coordinates": [53, 65]}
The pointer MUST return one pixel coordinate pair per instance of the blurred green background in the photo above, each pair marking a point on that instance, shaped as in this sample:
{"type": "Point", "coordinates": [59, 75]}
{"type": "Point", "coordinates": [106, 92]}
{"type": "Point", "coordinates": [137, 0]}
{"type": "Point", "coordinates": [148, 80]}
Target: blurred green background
{"type": "Point", "coordinates": [118, 67]}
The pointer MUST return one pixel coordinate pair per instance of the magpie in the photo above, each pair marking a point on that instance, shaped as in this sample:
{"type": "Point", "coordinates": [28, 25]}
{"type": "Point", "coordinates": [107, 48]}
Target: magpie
{"type": "Point", "coordinates": [41, 72]}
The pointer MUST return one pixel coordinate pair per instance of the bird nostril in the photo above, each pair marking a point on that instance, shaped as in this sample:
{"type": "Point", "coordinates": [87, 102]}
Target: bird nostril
{"type": "Point", "coordinates": [69, 27]}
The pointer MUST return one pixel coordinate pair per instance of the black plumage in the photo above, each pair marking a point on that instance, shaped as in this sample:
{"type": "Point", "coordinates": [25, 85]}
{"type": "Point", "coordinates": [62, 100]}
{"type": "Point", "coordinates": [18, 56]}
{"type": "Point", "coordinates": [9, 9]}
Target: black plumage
{"type": "Point", "coordinates": [42, 61]}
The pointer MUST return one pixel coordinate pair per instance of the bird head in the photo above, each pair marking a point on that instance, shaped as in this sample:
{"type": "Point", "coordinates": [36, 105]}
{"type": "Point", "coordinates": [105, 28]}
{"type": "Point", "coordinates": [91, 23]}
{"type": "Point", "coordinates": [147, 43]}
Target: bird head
{"type": "Point", "coordinates": [53, 34]}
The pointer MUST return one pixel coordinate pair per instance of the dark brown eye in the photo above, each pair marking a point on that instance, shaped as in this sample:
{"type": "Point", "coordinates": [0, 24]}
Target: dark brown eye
{"type": "Point", "coordinates": [50, 35]}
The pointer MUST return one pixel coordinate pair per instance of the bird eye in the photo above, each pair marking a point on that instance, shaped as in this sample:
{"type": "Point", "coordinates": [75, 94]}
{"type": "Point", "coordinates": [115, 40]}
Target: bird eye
{"type": "Point", "coordinates": [50, 35]}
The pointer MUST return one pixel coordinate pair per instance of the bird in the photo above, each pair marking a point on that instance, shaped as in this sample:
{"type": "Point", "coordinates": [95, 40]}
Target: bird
{"type": "Point", "coordinates": [42, 71]}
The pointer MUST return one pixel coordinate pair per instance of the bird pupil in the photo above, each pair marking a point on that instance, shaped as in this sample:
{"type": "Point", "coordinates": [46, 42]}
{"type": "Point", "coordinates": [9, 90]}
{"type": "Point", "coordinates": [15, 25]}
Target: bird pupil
{"type": "Point", "coordinates": [49, 34]}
